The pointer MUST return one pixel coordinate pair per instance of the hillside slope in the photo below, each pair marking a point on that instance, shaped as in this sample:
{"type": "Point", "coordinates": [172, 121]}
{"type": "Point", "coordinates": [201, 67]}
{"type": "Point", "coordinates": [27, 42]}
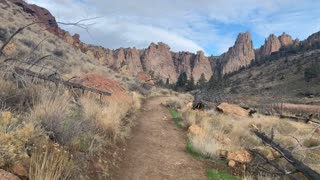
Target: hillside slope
{"type": "Point", "coordinates": [281, 79]}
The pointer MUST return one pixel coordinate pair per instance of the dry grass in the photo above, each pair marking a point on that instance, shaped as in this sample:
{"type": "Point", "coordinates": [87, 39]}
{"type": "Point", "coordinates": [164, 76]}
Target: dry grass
{"type": "Point", "coordinates": [15, 135]}
{"type": "Point", "coordinates": [137, 100]}
{"type": "Point", "coordinates": [107, 118]}
{"type": "Point", "coordinates": [50, 162]}
{"type": "Point", "coordinates": [233, 133]}
{"type": "Point", "coordinates": [78, 123]}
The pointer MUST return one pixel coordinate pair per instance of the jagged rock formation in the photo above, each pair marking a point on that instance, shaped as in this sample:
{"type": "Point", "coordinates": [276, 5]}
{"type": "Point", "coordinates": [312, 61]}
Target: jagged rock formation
{"type": "Point", "coordinates": [313, 38]}
{"type": "Point", "coordinates": [285, 40]}
{"type": "Point", "coordinates": [240, 55]}
{"type": "Point", "coordinates": [41, 15]}
{"type": "Point", "coordinates": [273, 44]}
{"type": "Point", "coordinates": [161, 63]}
{"type": "Point", "coordinates": [157, 60]}
{"type": "Point", "coordinates": [201, 65]}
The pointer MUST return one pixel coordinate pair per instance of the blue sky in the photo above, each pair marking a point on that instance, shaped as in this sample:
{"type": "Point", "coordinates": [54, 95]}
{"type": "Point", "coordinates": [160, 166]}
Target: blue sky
{"type": "Point", "coordinates": [186, 25]}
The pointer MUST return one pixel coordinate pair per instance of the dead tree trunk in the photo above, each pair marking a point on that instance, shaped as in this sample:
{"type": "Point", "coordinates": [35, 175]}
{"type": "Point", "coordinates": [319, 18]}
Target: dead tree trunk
{"type": "Point", "coordinates": [27, 72]}
{"type": "Point", "coordinates": [287, 155]}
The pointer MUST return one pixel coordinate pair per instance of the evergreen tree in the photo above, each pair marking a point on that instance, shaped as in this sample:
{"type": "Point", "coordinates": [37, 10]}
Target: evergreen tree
{"type": "Point", "coordinates": [212, 82]}
{"type": "Point", "coordinates": [182, 80]}
{"type": "Point", "coordinates": [202, 81]}
{"type": "Point", "coordinates": [190, 84]}
{"type": "Point", "coordinates": [160, 83]}
{"type": "Point", "coordinates": [167, 82]}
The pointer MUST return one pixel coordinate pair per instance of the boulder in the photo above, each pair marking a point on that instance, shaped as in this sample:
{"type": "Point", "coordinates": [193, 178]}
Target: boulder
{"type": "Point", "coordinates": [231, 163]}
{"type": "Point", "coordinates": [4, 175]}
{"type": "Point", "coordinates": [233, 109]}
{"type": "Point", "coordinates": [189, 106]}
{"type": "Point", "coordinates": [240, 156]}
{"type": "Point", "coordinates": [196, 130]}
{"type": "Point", "coordinates": [20, 170]}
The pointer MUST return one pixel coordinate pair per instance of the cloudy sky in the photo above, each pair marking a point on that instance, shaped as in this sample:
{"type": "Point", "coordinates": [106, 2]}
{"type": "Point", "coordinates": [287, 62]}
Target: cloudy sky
{"type": "Point", "coordinates": [186, 25]}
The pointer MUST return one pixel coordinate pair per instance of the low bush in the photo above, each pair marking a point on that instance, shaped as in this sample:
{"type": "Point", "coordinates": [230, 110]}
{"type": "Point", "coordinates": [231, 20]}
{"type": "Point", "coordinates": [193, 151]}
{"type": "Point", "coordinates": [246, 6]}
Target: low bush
{"type": "Point", "coordinates": [59, 53]}
{"type": "Point", "coordinates": [4, 35]}
{"type": "Point", "coordinates": [16, 139]}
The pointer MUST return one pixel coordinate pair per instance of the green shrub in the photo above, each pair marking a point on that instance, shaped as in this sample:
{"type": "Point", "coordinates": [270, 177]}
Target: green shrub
{"type": "Point", "coordinates": [3, 34]}
{"type": "Point", "coordinates": [311, 72]}
{"type": "Point", "coordinates": [58, 53]}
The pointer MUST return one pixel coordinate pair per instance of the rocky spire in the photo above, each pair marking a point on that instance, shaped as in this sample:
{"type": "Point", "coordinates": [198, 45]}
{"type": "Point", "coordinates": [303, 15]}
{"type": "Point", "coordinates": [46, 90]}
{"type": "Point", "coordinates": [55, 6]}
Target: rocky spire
{"type": "Point", "coordinates": [240, 55]}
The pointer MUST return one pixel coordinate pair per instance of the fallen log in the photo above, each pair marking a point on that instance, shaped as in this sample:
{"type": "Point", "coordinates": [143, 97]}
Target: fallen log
{"type": "Point", "coordinates": [287, 155]}
{"type": "Point", "coordinates": [27, 72]}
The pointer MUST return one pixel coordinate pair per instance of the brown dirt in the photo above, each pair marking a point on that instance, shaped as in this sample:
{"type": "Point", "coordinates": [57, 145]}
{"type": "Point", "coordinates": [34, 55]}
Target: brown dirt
{"type": "Point", "coordinates": [118, 93]}
{"type": "Point", "coordinates": [157, 149]}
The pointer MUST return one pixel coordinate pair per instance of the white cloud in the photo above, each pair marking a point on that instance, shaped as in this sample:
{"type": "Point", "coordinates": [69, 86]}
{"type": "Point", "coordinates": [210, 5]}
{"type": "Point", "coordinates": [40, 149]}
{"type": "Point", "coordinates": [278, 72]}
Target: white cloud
{"type": "Point", "coordinates": [185, 24]}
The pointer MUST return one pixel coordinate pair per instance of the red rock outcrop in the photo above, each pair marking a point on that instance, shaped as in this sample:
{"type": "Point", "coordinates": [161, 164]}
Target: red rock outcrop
{"type": "Point", "coordinates": [42, 15]}
{"type": "Point", "coordinates": [7, 176]}
{"type": "Point", "coordinates": [118, 93]}
{"type": "Point", "coordinates": [240, 55]}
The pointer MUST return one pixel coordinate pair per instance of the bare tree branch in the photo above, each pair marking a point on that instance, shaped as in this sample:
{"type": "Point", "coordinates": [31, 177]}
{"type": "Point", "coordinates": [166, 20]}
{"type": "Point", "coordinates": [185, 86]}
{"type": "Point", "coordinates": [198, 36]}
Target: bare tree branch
{"type": "Point", "coordinates": [26, 72]}
{"type": "Point", "coordinates": [300, 166]}
{"type": "Point", "coordinates": [78, 24]}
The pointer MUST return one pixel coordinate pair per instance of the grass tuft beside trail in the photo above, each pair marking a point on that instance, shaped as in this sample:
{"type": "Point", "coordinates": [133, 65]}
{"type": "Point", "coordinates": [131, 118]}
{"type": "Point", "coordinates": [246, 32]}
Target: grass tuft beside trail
{"type": "Point", "coordinates": [221, 175]}
{"type": "Point", "coordinates": [177, 117]}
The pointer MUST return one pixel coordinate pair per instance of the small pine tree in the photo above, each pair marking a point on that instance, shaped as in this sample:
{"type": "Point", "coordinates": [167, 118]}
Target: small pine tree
{"type": "Point", "coordinates": [311, 72]}
{"type": "Point", "coordinates": [160, 83]}
{"type": "Point", "coordinates": [202, 81]}
{"type": "Point", "coordinates": [190, 84]}
{"type": "Point", "coordinates": [182, 80]}
{"type": "Point", "coordinates": [167, 82]}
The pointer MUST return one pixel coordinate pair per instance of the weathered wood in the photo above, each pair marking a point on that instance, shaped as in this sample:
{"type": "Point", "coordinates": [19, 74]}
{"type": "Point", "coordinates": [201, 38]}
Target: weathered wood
{"type": "Point", "coordinates": [295, 118]}
{"type": "Point", "coordinates": [287, 155]}
{"type": "Point", "coordinates": [56, 80]}
{"type": "Point", "coordinates": [273, 164]}
{"type": "Point", "coordinates": [198, 105]}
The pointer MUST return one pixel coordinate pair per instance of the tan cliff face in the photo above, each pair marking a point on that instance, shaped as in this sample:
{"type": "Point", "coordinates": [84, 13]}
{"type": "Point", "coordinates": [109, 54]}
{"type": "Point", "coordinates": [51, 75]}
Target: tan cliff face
{"type": "Point", "coordinates": [273, 44]}
{"type": "Point", "coordinates": [201, 65]}
{"type": "Point", "coordinates": [285, 40]}
{"type": "Point", "coordinates": [240, 55]}
{"type": "Point", "coordinates": [157, 60]}
{"type": "Point", "coordinates": [193, 64]}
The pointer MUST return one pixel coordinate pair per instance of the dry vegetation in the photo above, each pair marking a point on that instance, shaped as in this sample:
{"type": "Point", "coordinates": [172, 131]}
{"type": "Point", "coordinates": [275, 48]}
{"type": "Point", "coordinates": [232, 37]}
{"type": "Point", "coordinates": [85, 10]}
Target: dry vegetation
{"type": "Point", "coordinates": [49, 132]}
{"type": "Point", "coordinates": [71, 125]}
{"type": "Point", "coordinates": [212, 133]}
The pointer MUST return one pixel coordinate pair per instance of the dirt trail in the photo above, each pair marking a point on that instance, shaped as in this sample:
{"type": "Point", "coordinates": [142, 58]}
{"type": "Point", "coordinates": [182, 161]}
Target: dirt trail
{"type": "Point", "coordinates": [157, 149]}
